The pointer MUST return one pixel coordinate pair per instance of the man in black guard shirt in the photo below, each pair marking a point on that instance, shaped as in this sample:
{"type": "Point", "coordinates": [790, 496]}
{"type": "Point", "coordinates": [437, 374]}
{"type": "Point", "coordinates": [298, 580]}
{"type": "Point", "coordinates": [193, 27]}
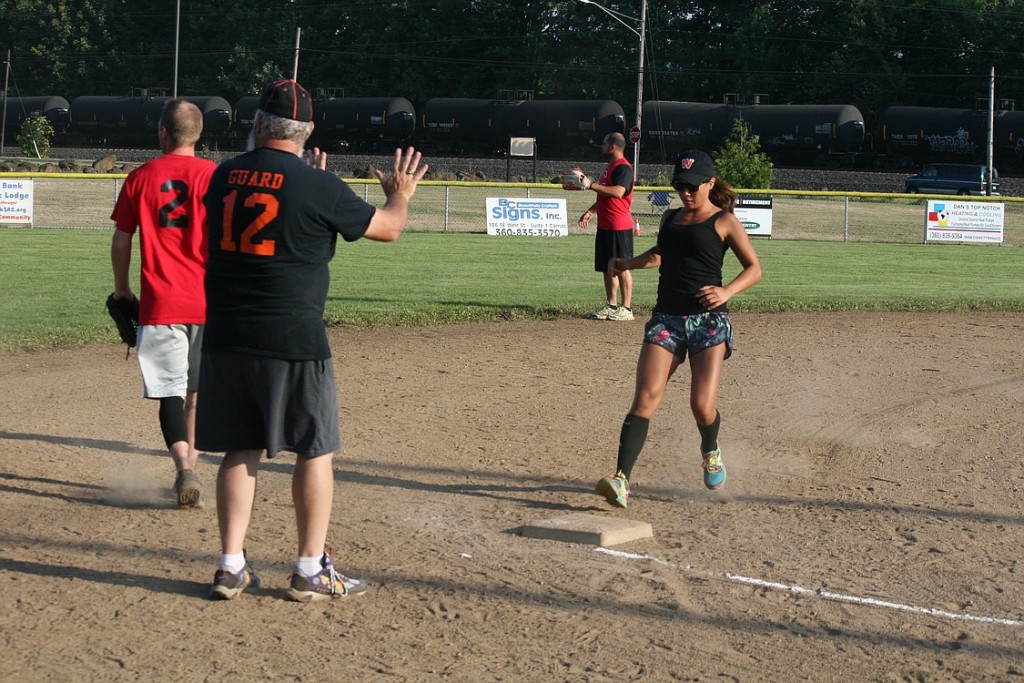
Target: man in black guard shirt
{"type": "Point", "coordinates": [274, 217]}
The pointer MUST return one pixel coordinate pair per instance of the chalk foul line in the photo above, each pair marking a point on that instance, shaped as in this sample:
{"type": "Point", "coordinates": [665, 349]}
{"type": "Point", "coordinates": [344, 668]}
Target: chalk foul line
{"type": "Point", "coordinates": [823, 594]}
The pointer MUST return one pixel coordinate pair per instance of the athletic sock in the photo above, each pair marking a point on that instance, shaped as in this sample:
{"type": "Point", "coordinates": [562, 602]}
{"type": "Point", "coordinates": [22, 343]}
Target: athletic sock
{"type": "Point", "coordinates": [172, 420]}
{"type": "Point", "coordinates": [631, 442]}
{"type": "Point", "coordinates": [709, 434]}
{"type": "Point", "coordinates": [309, 566]}
{"type": "Point", "coordinates": [234, 562]}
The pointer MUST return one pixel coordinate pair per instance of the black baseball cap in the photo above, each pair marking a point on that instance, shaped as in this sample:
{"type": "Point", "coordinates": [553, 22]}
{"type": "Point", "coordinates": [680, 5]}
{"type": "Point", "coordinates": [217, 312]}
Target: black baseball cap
{"type": "Point", "coordinates": [287, 99]}
{"type": "Point", "coordinates": [693, 166]}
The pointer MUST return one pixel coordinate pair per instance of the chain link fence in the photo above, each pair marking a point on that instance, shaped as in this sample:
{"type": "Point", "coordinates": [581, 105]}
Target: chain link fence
{"type": "Point", "coordinates": [85, 201]}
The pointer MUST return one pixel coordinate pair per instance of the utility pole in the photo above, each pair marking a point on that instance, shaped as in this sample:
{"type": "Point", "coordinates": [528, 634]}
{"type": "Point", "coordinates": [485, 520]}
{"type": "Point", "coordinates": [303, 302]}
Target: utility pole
{"type": "Point", "coordinates": [3, 126]}
{"type": "Point", "coordinates": [640, 88]}
{"type": "Point", "coordinates": [991, 125]}
{"type": "Point", "coordinates": [641, 33]}
{"type": "Point", "coordinates": [177, 33]}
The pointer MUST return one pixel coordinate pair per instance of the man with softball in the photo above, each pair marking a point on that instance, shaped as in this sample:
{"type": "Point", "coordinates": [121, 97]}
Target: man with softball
{"type": "Point", "coordinates": [614, 234]}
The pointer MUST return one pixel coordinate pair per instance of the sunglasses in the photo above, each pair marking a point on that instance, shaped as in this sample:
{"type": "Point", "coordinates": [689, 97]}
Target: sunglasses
{"type": "Point", "coordinates": [686, 187]}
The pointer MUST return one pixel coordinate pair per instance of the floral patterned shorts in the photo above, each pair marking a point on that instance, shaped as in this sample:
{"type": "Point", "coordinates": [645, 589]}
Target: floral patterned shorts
{"type": "Point", "coordinates": [681, 333]}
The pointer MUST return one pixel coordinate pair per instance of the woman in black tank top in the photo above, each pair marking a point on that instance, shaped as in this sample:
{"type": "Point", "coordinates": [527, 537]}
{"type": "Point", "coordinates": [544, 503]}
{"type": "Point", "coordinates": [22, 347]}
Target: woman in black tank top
{"type": "Point", "coordinates": [691, 316]}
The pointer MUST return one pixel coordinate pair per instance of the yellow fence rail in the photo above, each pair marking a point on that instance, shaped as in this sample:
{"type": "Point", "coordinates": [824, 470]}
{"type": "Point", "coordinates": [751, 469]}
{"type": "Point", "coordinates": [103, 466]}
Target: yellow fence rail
{"type": "Point", "coordinates": [85, 201]}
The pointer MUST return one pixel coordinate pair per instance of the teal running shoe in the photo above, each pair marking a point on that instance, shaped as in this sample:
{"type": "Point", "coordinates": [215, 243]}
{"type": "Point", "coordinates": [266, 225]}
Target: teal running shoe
{"type": "Point", "coordinates": [615, 489]}
{"type": "Point", "coordinates": [714, 470]}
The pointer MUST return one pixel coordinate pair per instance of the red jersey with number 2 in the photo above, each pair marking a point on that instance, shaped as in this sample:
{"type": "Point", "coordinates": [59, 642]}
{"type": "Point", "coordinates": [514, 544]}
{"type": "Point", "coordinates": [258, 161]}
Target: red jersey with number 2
{"type": "Point", "coordinates": [163, 199]}
{"type": "Point", "coordinates": [614, 213]}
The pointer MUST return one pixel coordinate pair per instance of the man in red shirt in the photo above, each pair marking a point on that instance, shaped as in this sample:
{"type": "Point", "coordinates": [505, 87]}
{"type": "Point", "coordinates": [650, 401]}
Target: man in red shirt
{"type": "Point", "coordinates": [614, 237]}
{"type": "Point", "coordinates": [163, 200]}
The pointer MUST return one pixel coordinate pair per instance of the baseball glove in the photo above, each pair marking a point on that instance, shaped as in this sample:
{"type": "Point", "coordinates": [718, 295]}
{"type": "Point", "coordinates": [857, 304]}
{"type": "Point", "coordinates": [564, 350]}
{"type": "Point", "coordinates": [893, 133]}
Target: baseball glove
{"type": "Point", "coordinates": [125, 313]}
{"type": "Point", "coordinates": [576, 179]}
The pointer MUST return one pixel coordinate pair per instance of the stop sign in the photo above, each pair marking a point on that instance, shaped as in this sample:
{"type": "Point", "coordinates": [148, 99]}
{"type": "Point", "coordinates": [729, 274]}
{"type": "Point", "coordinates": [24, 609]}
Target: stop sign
{"type": "Point", "coordinates": [634, 134]}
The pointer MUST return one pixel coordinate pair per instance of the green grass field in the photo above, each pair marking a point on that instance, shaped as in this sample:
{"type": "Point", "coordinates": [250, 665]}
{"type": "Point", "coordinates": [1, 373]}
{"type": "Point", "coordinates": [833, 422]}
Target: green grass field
{"type": "Point", "coordinates": [56, 281]}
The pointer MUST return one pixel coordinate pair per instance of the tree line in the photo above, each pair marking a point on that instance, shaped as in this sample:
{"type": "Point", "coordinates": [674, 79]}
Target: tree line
{"type": "Point", "coordinates": [870, 53]}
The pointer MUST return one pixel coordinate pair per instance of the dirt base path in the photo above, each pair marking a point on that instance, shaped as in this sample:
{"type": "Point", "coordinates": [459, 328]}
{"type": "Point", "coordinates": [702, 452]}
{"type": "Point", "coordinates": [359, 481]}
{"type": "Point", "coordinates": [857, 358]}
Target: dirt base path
{"type": "Point", "coordinates": [871, 527]}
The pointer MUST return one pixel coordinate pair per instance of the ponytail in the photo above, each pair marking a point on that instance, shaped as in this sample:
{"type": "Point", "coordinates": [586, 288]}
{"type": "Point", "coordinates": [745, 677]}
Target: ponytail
{"type": "Point", "coordinates": [723, 195]}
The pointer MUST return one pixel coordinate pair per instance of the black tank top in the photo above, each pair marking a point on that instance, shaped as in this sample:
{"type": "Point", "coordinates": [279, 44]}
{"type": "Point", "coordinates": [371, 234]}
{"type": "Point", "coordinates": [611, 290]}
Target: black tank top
{"type": "Point", "coordinates": [691, 257]}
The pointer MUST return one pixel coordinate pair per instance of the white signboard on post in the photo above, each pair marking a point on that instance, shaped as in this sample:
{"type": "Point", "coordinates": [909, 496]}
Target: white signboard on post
{"type": "Point", "coordinates": [963, 221]}
{"type": "Point", "coordinates": [755, 214]}
{"type": "Point", "coordinates": [16, 201]}
{"type": "Point", "coordinates": [522, 147]}
{"type": "Point", "coordinates": [527, 217]}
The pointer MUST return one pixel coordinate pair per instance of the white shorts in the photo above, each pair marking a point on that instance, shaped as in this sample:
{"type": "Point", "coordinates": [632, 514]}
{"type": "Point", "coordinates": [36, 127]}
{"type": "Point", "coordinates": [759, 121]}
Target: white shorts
{"type": "Point", "coordinates": [169, 357]}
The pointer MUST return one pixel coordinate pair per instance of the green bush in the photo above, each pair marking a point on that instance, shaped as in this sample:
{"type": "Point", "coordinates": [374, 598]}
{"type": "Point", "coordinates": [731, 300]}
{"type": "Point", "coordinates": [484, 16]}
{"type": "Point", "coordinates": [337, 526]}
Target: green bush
{"type": "Point", "coordinates": [740, 160]}
{"type": "Point", "coordinates": [35, 135]}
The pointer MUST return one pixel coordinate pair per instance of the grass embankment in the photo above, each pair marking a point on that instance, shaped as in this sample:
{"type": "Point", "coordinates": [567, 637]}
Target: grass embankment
{"type": "Point", "coordinates": [55, 281]}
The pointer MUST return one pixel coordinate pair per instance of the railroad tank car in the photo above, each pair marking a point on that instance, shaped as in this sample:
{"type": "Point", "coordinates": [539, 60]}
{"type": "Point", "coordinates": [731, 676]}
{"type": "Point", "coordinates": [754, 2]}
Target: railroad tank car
{"type": "Point", "coordinates": [668, 128]}
{"type": "Point", "coordinates": [216, 114]}
{"type": "Point", "coordinates": [1008, 139]}
{"type": "Point", "coordinates": [905, 137]}
{"type": "Point", "coordinates": [107, 119]}
{"type": "Point", "coordinates": [788, 133]}
{"type": "Point", "coordinates": [244, 111]}
{"type": "Point", "coordinates": [913, 136]}
{"type": "Point", "coordinates": [802, 130]}
{"type": "Point", "coordinates": [456, 124]}
{"type": "Point", "coordinates": [133, 121]}
{"type": "Point", "coordinates": [363, 123]}
{"type": "Point", "coordinates": [560, 126]}
{"type": "Point", "coordinates": [360, 123]}
{"type": "Point", "coordinates": [242, 118]}
{"type": "Point", "coordinates": [54, 107]}
{"type": "Point", "coordinates": [563, 125]}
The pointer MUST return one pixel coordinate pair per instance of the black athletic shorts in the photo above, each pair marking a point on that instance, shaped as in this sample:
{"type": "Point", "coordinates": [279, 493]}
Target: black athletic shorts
{"type": "Point", "coordinates": [609, 244]}
{"type": "Point", "coordinates": [249, 402]}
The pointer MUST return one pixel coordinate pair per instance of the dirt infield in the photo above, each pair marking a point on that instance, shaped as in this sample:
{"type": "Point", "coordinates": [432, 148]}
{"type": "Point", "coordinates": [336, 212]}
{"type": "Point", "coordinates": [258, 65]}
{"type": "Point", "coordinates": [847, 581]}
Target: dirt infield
{"type": "Point", "coordinates": [871, 528]}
